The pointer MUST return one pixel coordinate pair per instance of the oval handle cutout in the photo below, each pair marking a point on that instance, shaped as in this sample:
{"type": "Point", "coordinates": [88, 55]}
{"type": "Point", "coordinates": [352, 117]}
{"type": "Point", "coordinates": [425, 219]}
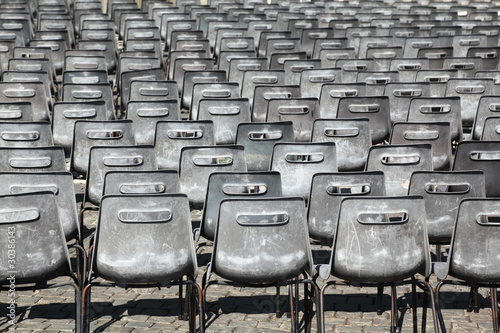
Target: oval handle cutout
{"type": "Point", "coordinates": [407, 92]}
{"type": "Point", "coordinates": [435, 108]}
{"type": "Point", "coordinates": [194, 67]}
{"type": "Point", "coordinates": [19, 216]}
{"type": "Point", "coordinates": [238, 45]}
{"type": "Point", "coordinates": [7, 114]}
{"type": "Point", "coordinates": [143, 47]}
{"type": "Point", "coordinates": [249, 67]}
{"type": "Point", "coordinates": [30, 162]}
{"type": "Point", "coordinates": [378, 80]}
{"type": "Point", "coordinates": [470, 89]}
{"type": "Point", "coordinates": [348, 189]}
{"type": "Point", "coordinates": [212, 161]}
{"type": "Point", "coordinates": [344, 93]}
{"type": "Point", "coordinates": [145, 188]}
{"type": "Point", "coordinates": [139, 67]}
{"type": "Point", "coordinates": [265, 136]}
{"type": "Point", "coordinates": [409, 67]}
{"type": "Point", "coordinates": [19, 93]}
{"type": "Point", "coordinates": [265, 79]}
{"type": "Point", "coordinates": [246, 189]}
{"type": "Point", "coordinates": [446, 188]}
{"type": "Point", "coordinates": [421, 135]}
{"type": "Point", "coordinates": [300, 68]}
{"type": "Point", "coordinates": [17, 189]}
{"type": "Point", "coordinates": [86, 65]}
{"type": "Point", "coordinates": [492, 219]}
{"type": "Point", "coordinates": [104, 134]}
{"type": "Point", "coordinates": [87, 94]}
{"type": "Point", "coordinates": [341, 132]}
{"type": "Point", "coordinates": [75, 114]}
{"type": "Point", "coordinates": [376, 44]}
{"type": "Point", "coordinates": [216, 93]}
{"type": "Point", "coordinates": [144, 34]}
{"type": "Point", "coordinates": [404, 34]}
{"type": "Point", "coordinates": [293, 109]}
{"type": "Point", "coordinates": [153, 91]}
{"type": "Point", "coordinates": [383, 218]}
{"type": "Point", "coordinates": [469, 42]}
{"type": "Point", "coordinates": [485, 155]}
{"type": "Point", "coordinates": [136, 216]}
{"type": "Point", "coordinates": [97, 36]}
{"type": "Point", "coordinates": [400, 159]}
{"type": "Point", "coordinates": [85, 80]}
{"type": "Point", "coordinates": [152, 112]}
{"type": "Point", "coordinates": [20, 136]}
{"type": "Point", "coordinates": [207, 79]}
{"type": "Point", "coordinates": [437, 79]}
{"type": "Point", "coordinates": [224, 110]}
{"type": "Point", "coordinates": [468, 65]}
{"type": "Point", "coordinates": [354, 68]}
{"type": "Point", "coordinates": [271, 95]}
{"type": "Point", "coordinates": [322, 78]}
{"type": "Point", "coordinates": [262, 219]}
{"type": "Point", "coordinates": [360, 108]}
{"type": "Point", "coordinates": [181, 134]}
{"type": "Point", "coordinates": [284, 46]}
{"type": "Point", "coordinates": [121, 161]}
{"type": "Point", "coordinates": [304, 158]}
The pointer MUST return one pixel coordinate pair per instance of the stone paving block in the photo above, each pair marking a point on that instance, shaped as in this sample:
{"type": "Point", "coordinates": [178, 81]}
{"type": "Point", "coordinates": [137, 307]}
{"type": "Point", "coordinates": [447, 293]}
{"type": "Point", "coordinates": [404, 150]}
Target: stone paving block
{"type": "Point", "coordinates": [347, 329]}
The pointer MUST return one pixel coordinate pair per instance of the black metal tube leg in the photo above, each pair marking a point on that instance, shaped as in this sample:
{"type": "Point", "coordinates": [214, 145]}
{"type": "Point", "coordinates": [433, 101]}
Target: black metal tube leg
{"type": "Point", "coordinates": [414, 307]}
{"type": "Point", "coordinates": [380, 295]}
{"type": "Point", "coordinates": [494, 309]}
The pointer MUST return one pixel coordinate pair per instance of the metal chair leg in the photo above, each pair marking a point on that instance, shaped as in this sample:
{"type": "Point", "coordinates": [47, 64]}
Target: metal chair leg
{"type": "Point", "coordinates": [494, 309]}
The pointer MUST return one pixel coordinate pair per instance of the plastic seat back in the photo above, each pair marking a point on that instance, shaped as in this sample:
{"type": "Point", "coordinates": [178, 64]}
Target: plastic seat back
{"type": "Point", "coordinates": [381, 239]}
{"type": "Point", "coordinates": [226, 185]}
{"type": "Point", "coordinates": [400, 95]}
{"type": "Point", "coordinates": [480, 155]}
{"type": "Point", "coordinates": [141, 182]}
{"type": "Point", "coordinates": [491, 129]}
{"type": "Point", "coordinates": [198, 162]}
{"type": "Point", "coordinates": [264, 93]}
{"type": "Point", "coordinates": [33, 92]}
{"type": "Point", "coordinates": [119, 158]}
{"type": "Point", "coordinates": [25, 134]}
{"type": "Point", "coordinates": [327, 192]}
{"type": "Point", "coordinates": [488, 106]}
{"type": "Point", "coordinates": [299, 162]}
{"type": "Point", "coordinates": [43, 254]}
{"type": "Point", "coordinates": [398, 162]}
{"type": "Point", "coordinates": [144, 239]}
{"type": "Point", "coordinates": [244, 225]}
{"type": "Point", "coordinates": [223, 90]}
{"type": "Point", "coordinates": [312, 80]}
{"type": "Point", "coordinates": [300, 111]}
{"type": "Point", "coordinates": [36, 159]}
{"type": "Point", "coordinates": [89, 93]}
{"type": "Point", "coordinates": [442, 193]}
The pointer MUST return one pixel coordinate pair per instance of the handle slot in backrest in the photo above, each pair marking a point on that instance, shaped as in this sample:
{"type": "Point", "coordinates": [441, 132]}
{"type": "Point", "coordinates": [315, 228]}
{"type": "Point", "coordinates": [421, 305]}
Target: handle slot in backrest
{"type": "Point", "coordinates": [83, 113]}
{"type": "Point", "coordinates": [122, 161]}
{"type": "Point", "coordinates": [407, 92]}
{"type": "Point", "coordinates": [485, 155]}
{"type": "Point", "coordinates": [293, 109]}
{"type": "Point", "coordinates": [347, 189]}
{"type": "Point", "coordinates": [367, 108]}
{"type": "Point", "coordinates": [397, 217]}
{"type": "Point", "coordinates": [144, 188]}
{"type": "Point", "coordinates": [152, 112]}
{"type": "Point", "coordinates": [154, 91]}
{"type": "Point", "coordinates": [245, 189]}
{"type": "Point", "coordinates": [304, 158]}
{"type": "Point", "coordinates": [265, 136]}
{"type": "Point", "coordinates": [489, 219]}
{"type": "Point", "coordinates": [19, 216]}
{"type": "Point", "coordinates": [343, 93]}
{"type": "Point", "coordinates": [112, 134]}
{"type": "Point", "coordinates": [153, 216]}
{"type": "Point", "coordinates": [447, 188]}
{"type": "Point", "coordinates": [182, 134]}
{"type": "Point", "coordinates": [213, 160]}
{"type": "Point", "coordinates": [421, 135]}
{"type": "Point", "coordinates": [30, 162]}
{"type": "Point", "coordinates": [262, 219]}
{"type": "Point", "coordinates": [446, 108]}
{"type": "Point", "coordinates": [400, 159]}
{"type": "Point", "coordinates": [341, 132]}
{"type": "Point", "coordinates": [20, 136]}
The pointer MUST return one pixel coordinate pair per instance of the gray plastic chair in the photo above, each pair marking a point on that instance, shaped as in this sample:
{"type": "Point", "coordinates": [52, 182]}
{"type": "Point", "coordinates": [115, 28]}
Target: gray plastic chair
{"type": "Point", "coordinates": [33, 92]}
{"type": "Point", "coordinates": [25, 134]}
{"type": "Point", "coordinates": [254, 78]}
{"type": "Point", "coordinates": [327, 192]}
{"type": "Point", "coordinates": [259, 140]}
{"type": "Point", "coordinates": [88, 134]}
{"type": "Point", "coordinates": [400, 95]}
{"type": "Point", "coordinates": [299, 162]}
{"type": "Point", "coordinates": [37, 159]}
{"type": "Point", "coordinates": [160, 252]}
{"type": "Point", "coordinates": [473, 255]}
{"type": "Point", "coordinates": [17, 111]}
{"type": "Point", "coordinates": [141, 182]}
{"type": "Point", "coordinates": [193, 77]}
{"type": "Point", "coordinates": [198, 162]}
{"type": "Point", "coordinates": [435, 134]}
{"type": "Point", "coordinates": [90, 92]}
{"type": "Point", "coordinates": [491, 129]}
{"type": "Point", "coordinates": [264, 93]}
{"type": "Point", "coordinates": [352, 140]}
{"type": "Point", "coordinates": [172, 136]}
{"type": "Point", "coordinates": [223, 90]}
{"type": "Point", "coordinates": [263, 243]}
{"type": "Point", "coordinates": [226, 185]}
{"type": "Point", "coordinates": [114, 158]}
{"type": "Point", "coordinates": [42, 255]}
{"type": "Point", "coordinates": [380, 242]}
{"type": "Point", "coordinates": [300, 111]}
{"type": "Point", "coordinates": [398, 162]}
{"type": "Point", "coordinates": [480, 155]}
{"type": "Point", "coordinates": [331, 93]}
{"type": "Point", "coordinates": [147, 113]}
{"type": "Point", "coordinates": [488, 106]}
{"type": "Point", "coordinates": [442, 193]}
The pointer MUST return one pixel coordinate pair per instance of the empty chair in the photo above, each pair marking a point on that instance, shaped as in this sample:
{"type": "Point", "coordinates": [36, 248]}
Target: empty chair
{"type": "Point", "coordinates": [144, 240]}
{"type": "Point", "coordinates": [226, 185]}
{"type": "Point", "coordinates": [16, 111]}
{"type": "Point", "coordinates": [223, 90]}
{"type": "Point", "coordinates": [442, 193]}
{"type": "Point", "coordinates": [32, 159]}
{"type": "Point", "coordinates": [327, 192]}
{"type": "Point", "coordinates": [198, 162]}
{"type": "Point", "coordinates": [480, 155]}
{"type": "Point", "coordinates": [331, 94]}
{"type": "Point", "coordinates": [141, 182]}
{"type": "Point", "coordinates": [435, 134]}
{"type": "Point", "coordinates": [400, 95]}
{"type": "Point", "coordinates": [114, 158]}
{"type": "Point", "coordinates": [352, 140]}
{"type": "Point", "coordinates": [264, 93]}
{"type": "Point", "coordinates": [172, 136]}
{"type": "Point", "coordinates": [88, 134]}
{"type": "Point", "coordinates": [300, 111]}
{"type": "Point", "coordinates": [491, 129]}
{"type": "Point", "coordinates": [473, 255]}
{"type": "Point", "coordinates": [33, 92]}
{"type": "Point", "coordinates": [488, 106]}
{"type": "Point", "coordinates": [398, 162]}
{"type": "Point", "coordinates": [25, 134]}
{"type": "Point", "coordinates": [72, 92]}
{"type": "Point", "coordinates": [42, 255]}
{"type": "Point", "coordinates": [299, 162]}
{"type": "Point", "coordinates": [226, 114]}
{"type": "Point", "coordinates": [381, 242]}
{"type": "Point", "coordinates": [262, 243]}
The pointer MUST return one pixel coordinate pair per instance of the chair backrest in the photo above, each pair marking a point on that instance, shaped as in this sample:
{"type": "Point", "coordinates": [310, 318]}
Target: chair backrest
{"type": "Point", "coordinates": [88, 134]}
{"type": "Point", "coordinates": [331, 94]}
{"type": "Point", "coordinates": [398, 162]}
{"type": "Point", "coordinates": [352, 140]}
{"type": "Point", "coordinates": [261, 240]}
{"type": "Point", "coordinates": [33, 92]}
{"type": "Point", "coordinates": [119, 158]}
{"type": "Point", "coordinates": [488, 106]}
{"type": "Point", "coordinates": [300, 111]}
{"type": "Point", "coordinates": [491, 129]}
{"type": "Point", "coordinates": [16, 111]}
{"type": "Point", "coordinates": [299, 162]}
{"type": "Point", "coordinates": [442, 193]}
{"type": "Point", "coordinates": [42, 254]}
{"type": "Point", "coordinates": [72, 92]}
{"type": "Point", "coordinates": [327, 192]}
{"type": "Point", "coordinates": [172, 136]}
{"type": "Point", "coordinates": [25, 134]}
{"type": "Point", "coordinates": [223, 90]}
{"type": "Point", "coordinates": [400, 95]}
{"type": "Point", "coordinates": [198, 162]}
{"type": "Point", "coordinates": [144, 239]}
{"type": "Point", "coordinates": [226, 185]}
{"type": "Point", "coordinates": [36, 159]}
{"type": "Point", "coordinates": [480, 155]}
{"type": "Point", "coordinates": [264, 93]}
{"type": "Point", "coordinates": [435, 134]}
{"type": "Point", "coordinates": [473, 253]}
{"type": "Point", "coordinates": [59, 183]}
{"type": "Point", "coordinates": [141, 182]}
{"type": "Point", "coordinates": [381, 239]}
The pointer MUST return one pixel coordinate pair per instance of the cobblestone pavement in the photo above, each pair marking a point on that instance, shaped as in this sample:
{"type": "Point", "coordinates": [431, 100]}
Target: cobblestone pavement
{"type": "Point", "coordinates": [230, 309]}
